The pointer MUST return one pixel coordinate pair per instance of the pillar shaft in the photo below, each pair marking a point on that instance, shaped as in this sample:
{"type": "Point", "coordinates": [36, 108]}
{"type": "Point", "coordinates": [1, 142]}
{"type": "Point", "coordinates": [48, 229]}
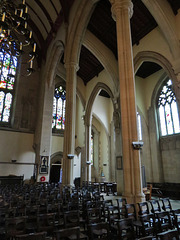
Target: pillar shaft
{"type": "Point", "coordinates": [122, 11]}
{"type": "Point", "coordinates": [70, 120]}
{"type": "Point", "coordinates": [88, 151]}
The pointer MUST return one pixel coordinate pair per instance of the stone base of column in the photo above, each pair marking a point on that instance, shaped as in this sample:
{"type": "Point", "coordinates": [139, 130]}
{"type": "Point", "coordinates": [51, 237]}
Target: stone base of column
{"type": "Point", "coordinates": [140, 198]}
{"type": "Point", "coordinates": [134, 198]}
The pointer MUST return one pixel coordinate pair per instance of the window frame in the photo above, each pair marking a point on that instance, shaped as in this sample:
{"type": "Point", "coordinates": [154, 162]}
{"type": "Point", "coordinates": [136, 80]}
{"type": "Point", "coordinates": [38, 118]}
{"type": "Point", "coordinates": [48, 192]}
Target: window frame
{"type": "Point", "coordinates": [55, 131]}
{"type": "Point", "coordinates": [157, 110]}
{"type": "Point", "coordinates": [12, 92]}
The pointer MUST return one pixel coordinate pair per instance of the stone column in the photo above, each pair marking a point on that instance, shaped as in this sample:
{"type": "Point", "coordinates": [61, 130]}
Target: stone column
{"type": "Point", "coordinates": [43, 136]}
{"type": "Point", "coordinates": [70, 120]}
{"type": "Point", "coordinates": [88, 150]}
{"type": "Point", "coordinates": [122, 11]}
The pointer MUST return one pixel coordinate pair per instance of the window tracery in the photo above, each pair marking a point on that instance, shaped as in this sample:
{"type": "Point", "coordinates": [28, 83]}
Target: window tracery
{"type": "Point", "coordinates": [8, 66]}
{"type": "Point", "coordinates": [168, 110]}
{"type": "Point", "coordinates": [59, 107]}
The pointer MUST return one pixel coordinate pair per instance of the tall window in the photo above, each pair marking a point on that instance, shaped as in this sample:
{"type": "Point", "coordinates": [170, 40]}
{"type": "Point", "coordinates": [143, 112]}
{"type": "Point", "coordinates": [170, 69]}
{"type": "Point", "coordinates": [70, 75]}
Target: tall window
{"type": "Point", "coordinates": [139, 126]}
{"type": "Point", "coordinates": [92, 148]}
{"type": "Point", "coordinates": [168, 111]}
{"type": "Point", "coordinates": [59, 104]}
{"type": "Point", "coordinates": [8, 65]}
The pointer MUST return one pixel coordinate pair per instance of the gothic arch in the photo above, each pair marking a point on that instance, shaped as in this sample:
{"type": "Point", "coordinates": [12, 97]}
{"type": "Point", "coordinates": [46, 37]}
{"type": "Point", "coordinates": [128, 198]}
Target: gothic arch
{"type": "Point", "coordinates": [77, 31]}
{"type": "Point", "coordinates": [145, 56]}
{"type": "Point", "coordinates": [99, 86]}
{"type": "Point", "coordinates": [162, 61]}
{"type": "Point", "coordinates": [56, 53]}
{"type": "Point", "coordinates": [104, 55]}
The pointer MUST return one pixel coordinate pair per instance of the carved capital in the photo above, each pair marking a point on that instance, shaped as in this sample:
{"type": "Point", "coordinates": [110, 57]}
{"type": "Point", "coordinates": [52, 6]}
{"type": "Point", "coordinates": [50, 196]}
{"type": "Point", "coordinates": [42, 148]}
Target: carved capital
{"type": "Point", "coordinates": [120, 5]}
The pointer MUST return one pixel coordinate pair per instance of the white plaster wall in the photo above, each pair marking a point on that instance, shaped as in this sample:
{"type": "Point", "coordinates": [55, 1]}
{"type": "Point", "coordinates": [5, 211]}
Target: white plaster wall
{"type": "Point", "coordinates": [154, 41]}
{"type": "Point", "coordinates": [102, 77]}
{"type": "Point", "coordinates": [16, 146]}
{"type": "Point", "coordinates": [144, 91]}
{"type": "Point", "coordinates": [101, 108]}
{"type": "Point", "coordinates": [57, 144]}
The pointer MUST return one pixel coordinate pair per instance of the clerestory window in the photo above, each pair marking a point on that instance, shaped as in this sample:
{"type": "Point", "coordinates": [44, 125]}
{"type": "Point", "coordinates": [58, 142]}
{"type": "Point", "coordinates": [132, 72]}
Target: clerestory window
{"type": "Point", "coordinates": [168, 110]}
{"type": "Point", "coordinates": [8, 66]}
{"type": "Point", "coordinates": [59, 107]}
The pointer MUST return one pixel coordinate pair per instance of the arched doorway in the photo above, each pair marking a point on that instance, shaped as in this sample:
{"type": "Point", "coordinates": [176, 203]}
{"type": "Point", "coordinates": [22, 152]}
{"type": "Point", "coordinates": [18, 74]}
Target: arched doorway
{"type": "Point", "coordinates": [55, 170]}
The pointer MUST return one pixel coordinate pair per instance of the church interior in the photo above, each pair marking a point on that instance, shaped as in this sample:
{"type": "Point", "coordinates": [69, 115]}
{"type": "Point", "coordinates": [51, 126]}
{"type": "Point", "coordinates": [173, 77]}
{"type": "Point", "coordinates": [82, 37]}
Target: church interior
{"type": "Point", "coordinates": [90, 99]}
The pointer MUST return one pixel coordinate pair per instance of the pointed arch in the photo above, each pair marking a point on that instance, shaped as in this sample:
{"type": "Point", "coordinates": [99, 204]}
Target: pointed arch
{"type": "Point", "coordinates": [52, 62]}
{"type": "Point", "coordinates": [145, 56]}
{"type": "Point", "coordinates": [99, 86]}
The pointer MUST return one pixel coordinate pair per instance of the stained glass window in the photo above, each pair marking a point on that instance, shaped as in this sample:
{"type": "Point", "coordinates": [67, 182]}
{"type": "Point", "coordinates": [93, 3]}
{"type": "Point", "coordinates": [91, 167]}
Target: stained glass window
{"type": "Point", "coordinates": [59, 107]}
{"type": "Point", "coordinates": [139, 126]}
{"type": "Point", "coordinates": [168, 110]}
{"type": "Point", "coordinates": [8, 65]}
{"type": "Point", "coordinates": [92, 148]}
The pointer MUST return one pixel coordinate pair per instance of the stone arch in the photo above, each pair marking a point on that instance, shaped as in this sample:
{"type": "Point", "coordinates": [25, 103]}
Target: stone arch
{"type": "Point", "coordinates": [77, 31]}
{"type": "Point", "coordinates": [55, 170]}
{"type": "Point", "coordinates": [55, 156]}
{"type": "Point", "coordinates": [52, 62]}
{"type": "Point", "coordinates": [157, 58]}
{"type": "Point", "coordinates": [62, 74]}
{"type": "Point", "coordinates": [99, 86]}
{"type": "Point", "coordinates": [104, 55]}
{"type": "Point", "coordinates": [162, 61]}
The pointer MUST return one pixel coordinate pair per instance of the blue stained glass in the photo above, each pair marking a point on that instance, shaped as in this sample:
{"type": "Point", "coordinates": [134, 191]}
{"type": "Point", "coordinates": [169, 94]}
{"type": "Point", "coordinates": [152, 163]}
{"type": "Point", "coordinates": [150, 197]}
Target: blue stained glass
{"type": "Point", "coordinates": [8, 65]}
{"type": "Point", "coordinates": [59, 103]}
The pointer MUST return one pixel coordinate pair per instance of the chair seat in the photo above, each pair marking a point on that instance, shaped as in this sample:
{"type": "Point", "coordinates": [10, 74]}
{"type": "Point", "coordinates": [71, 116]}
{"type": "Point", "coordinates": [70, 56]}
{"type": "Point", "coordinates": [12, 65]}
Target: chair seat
{"type": "Point", "coordinates": [82, 236]}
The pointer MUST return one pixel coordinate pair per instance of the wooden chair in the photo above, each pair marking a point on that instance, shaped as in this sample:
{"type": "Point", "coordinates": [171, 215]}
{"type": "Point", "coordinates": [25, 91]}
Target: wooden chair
{"type": "Point", "coordinates": [164, 221]}
{"type": "Point", "coordinates": [169, 235]}
{"type": "Point", "coordinates": [148, 225]}
{"type": "Point", "coordinates": [177, 220]}
{"type": "Point", "coordinates": [71, 219]}
{"type": "Point", "coordinates": [99, 231]}
{"type": "Point", "coordinates": [94, 215]}
{"type": "Point", "coordinates": [113, 214]}
{"type": "Point", "coordinates": [68, 233]}
{"type": "Point", "coordinates": [125, 229]}
{"type": "Point", "coordinates": [32, 236]}
{"type": "Point", "coordinates": [148, 192]}
{"type": "Point", "coordinates": [147, 238]}
{"type": "Point", "coordinates": [15, 226]}
{"type": "Point", "coordinates": [121, 204]}
{"type": "Point", "coordinates": [46, 222]}
{"type": "Point", "coordinates": [155, 206]}
{"type": "Point", "coordinates": [166, 204]}
{"type": "Point", "coordinates": [143, 208]}
{"type": "Point", "coordinates": [131, 213]}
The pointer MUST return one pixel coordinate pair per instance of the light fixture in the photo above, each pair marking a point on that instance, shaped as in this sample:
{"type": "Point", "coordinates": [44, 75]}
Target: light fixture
{"type": "Point", "coordinates": [14, 33]}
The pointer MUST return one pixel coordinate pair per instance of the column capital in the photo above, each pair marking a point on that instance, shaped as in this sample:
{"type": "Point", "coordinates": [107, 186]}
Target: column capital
{"type": "Point", "coordinates": [119, 5]}
{"type": "Point", "coordinates": [72, 65]}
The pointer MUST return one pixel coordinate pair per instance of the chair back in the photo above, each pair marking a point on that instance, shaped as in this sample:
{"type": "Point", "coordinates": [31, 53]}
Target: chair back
{"type": "Point", "coordinates": [148, 224]}
{"type": "Point", "coordinates": [130, 211]}
{"type": "Point", "coordinates": [99, 231]}
{"type": "Point", "coordinates": [31, 236]}
{"type": "Point", "coordinates": [166, 204]}
{"type": "Point", "coordinates": [169, 235]}
{"type": "Point", "coordinates": [71, 218]}
{"type": "Point", "coordinates": [155, 206]}
{"type": "Point", "coordinates": [68, 233]}
{"type": "Point", "coordinates": [143, 208]}
{"type": "Point", "coordinates": [126, 229]}
{"type": "Point", "coordinates": [164, 221]}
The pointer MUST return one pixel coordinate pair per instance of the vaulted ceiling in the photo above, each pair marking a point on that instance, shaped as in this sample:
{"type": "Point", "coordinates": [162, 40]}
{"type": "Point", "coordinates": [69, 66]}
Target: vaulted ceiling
{"type": "Point", "coordinates": [48, 15]}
